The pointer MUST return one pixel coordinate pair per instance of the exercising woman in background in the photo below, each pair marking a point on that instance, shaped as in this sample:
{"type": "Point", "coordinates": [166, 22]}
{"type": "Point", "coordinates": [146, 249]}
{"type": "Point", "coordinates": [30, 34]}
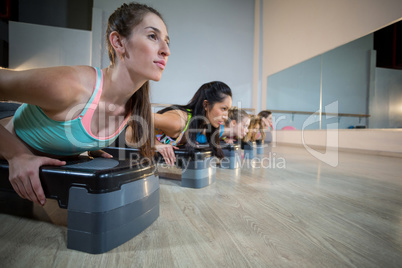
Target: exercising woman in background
{"type": "Point", "coordinates": [266, 118]}
{"type": "Point", "coordinates": [255, 131]}
{"type": "Point", "coordinates": [199, 122]}
{"type": "Point", "coordinates": [236, 127]}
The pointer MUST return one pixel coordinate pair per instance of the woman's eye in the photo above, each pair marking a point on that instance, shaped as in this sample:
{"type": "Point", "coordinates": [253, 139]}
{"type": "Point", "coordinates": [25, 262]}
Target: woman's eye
{"type": "Point", "coordinates": [152, 36]}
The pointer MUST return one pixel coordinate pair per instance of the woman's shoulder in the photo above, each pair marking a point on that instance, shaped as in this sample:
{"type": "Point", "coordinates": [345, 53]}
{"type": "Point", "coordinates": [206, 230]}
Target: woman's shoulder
{"type": "Point", "coordinates": [73, 84]}
{"type": "Point", "coordinates": [178, 113]}
{"type": "Point", "coordinates": [69, 78]}
{"type": "Point", "coordinates": [52, 88]}
{"type": "Point", "coordinates": [80, 75]}
{"type": "Point", "coordinates": [171, 122]}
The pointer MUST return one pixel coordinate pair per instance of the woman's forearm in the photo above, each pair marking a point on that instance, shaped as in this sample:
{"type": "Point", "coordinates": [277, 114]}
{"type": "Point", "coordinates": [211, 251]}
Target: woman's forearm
{"type": "Point", "coordinates": [227, 131]}
{"type": "Point", "coordinates": [10, 145]}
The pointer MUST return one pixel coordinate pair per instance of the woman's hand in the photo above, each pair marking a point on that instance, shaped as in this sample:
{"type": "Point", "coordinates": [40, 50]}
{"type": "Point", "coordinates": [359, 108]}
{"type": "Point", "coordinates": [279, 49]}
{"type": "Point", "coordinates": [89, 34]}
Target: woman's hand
{"type": "Point", "coordinates": [166, 150]}
{"type": "Point", "coordinates": [99, 153]}
{"type": "Point", "coordinates": [229, 140]}
{"type": "Point", "coordinates": [24, 175]}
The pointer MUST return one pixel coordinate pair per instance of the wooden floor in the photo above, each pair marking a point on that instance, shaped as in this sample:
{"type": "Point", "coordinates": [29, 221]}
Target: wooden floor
{"type": "Point", "coordinates": [295, 211]}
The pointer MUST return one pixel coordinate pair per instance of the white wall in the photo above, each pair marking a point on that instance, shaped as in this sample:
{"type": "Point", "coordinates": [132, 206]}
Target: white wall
{"type": "Point", "coordinates": [35, 46]}
{"type": "Point", "coordinates": [210, 40]}
{"type": "Point", "coordinates": [296, 30]}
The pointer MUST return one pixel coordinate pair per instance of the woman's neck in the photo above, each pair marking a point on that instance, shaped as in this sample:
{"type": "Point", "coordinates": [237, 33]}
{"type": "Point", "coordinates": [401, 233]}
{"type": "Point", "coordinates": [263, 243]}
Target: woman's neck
{"type": "Point", "coordinates": [119, 86]}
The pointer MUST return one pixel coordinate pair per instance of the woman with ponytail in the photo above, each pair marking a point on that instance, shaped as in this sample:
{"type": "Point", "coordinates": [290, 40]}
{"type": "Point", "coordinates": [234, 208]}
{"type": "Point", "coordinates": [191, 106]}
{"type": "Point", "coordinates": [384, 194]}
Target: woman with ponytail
{"type": "Point", "coordinates": [199, 122]}
{"type": "Point", "coordinates": [72, 109]}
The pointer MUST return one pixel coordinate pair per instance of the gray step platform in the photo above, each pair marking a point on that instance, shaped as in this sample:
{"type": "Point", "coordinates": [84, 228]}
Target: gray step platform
{"type": "Point", "coordinates": [249, 149]}
{"type": "Point", "coordinates": [260, 147]}
{"type": "Point", "coordinates": [98, 223]}
{"type": "Point", "coordinates": [198, 169]}
{"type": "Point", "coordinates": [232, 159]}
{"type": "Point", "coordinates": [109, 201]}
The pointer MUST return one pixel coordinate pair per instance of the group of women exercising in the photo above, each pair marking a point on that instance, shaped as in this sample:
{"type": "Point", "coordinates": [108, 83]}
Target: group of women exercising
{"type": "Point", "coordinates": [74, 109]}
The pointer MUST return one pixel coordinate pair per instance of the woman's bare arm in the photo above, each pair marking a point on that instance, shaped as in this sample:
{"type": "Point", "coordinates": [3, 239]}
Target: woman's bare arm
{"type": "Point", "coordinates": [171, 123]}
{"type": "Point", "coordinates": [53, 89]}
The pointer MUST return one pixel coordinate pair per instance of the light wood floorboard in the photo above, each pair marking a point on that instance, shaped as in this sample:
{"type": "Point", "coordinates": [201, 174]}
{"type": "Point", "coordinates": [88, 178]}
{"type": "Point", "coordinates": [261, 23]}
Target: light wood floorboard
{"type": "Point", "coordinates": [298, 212]}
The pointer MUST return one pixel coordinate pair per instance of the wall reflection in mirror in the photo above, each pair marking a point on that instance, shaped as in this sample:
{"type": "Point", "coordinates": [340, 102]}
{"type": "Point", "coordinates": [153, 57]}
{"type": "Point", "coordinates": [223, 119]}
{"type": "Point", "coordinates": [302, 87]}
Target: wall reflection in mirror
{"type": "Point", "coordinates": [357, 85]}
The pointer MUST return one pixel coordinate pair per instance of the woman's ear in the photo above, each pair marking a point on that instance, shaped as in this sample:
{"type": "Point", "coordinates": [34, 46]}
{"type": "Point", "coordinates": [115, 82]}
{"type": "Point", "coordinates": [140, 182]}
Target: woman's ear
{"type": "Point", "coordinates": [205, 104]}
{"type": "Point", "coordinates": [116, 41]}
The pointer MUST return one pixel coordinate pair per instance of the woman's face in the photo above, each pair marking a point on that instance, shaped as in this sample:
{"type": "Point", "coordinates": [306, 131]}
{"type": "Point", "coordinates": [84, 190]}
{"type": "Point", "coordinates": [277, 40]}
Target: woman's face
{"type": "Point", "coordinates": [147, 48]}
{"type": "Point", "coordinates": [241, 129]}
{"type": "Point", "coordinates": [270, 119]}
{"type": "Point", "coordinates": [218, 113]}
{"type": "Point", "coordinates": [267, 121]}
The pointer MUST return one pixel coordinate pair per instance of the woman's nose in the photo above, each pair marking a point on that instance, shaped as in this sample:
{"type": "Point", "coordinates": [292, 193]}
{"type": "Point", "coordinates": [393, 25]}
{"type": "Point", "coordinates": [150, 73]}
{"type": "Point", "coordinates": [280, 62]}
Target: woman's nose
{"type": "Point", "coordinates": [165, 50]}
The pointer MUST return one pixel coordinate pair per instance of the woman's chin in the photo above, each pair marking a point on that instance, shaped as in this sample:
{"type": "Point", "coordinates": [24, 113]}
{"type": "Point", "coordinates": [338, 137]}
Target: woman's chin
{"type": "Point", "coordinates": [156, 79]}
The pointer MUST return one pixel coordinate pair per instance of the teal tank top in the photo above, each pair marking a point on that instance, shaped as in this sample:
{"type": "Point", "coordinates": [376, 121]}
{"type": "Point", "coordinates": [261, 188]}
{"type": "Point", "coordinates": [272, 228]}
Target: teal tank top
{"type": "Point", "coordinates": [63, 138]}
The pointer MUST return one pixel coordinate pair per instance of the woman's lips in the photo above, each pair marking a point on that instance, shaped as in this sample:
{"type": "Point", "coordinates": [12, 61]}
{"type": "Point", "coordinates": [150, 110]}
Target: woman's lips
{"type": "Point", "coordinates": [161, 64]}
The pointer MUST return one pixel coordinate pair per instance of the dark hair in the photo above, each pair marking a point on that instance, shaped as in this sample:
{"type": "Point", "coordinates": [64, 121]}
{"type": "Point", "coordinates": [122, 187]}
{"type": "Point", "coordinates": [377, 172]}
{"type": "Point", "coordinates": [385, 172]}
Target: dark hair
{"type": "Point", "coordinates": [123, 20]}
{"type": "Point", "coordinates": [213, 92]}
{"type": "Point", "coordinates": [264, 113]}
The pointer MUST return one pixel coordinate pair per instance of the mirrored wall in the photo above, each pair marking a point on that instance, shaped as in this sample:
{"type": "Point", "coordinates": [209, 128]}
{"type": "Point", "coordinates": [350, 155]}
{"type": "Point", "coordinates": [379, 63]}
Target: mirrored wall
{"type": "Point", "coordinates": [341, 88]}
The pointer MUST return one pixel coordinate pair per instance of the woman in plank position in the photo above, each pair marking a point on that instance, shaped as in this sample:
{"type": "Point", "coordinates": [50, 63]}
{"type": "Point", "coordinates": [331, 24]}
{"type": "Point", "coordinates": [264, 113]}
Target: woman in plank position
{"type": "Point", "coordinates": [201, 121]}
{"type": "Point", "coordinates": [70, 110]}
